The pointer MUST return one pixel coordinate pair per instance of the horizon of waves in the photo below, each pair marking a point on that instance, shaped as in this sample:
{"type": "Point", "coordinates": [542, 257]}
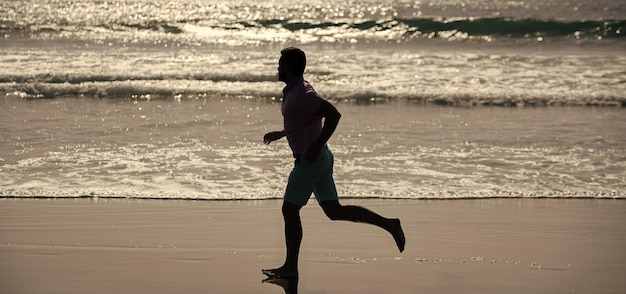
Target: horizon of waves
{"type": "Point", "coordinates": [264, 31]}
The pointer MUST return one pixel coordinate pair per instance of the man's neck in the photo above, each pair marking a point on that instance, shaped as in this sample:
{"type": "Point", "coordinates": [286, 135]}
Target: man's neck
{"type": "Point", "coordinates": [293, 80]}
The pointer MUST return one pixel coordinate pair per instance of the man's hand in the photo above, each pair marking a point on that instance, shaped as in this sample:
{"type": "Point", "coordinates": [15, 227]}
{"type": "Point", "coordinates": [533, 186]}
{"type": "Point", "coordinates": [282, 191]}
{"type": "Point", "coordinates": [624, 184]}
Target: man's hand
{"type": "Point", "coordinates": [273, 136]}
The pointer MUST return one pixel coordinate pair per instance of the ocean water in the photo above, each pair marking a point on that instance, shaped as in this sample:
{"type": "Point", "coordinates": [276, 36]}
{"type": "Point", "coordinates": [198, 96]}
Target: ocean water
{"type": "Point", "coordinates": [440, 99]}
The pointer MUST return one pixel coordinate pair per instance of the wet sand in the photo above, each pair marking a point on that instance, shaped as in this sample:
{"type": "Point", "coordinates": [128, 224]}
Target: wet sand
{"type": "Point", "coordinates": [453, 246]}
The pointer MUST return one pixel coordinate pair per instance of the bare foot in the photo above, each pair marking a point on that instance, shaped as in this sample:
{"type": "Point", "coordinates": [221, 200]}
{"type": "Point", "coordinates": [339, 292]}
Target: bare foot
{"type": "Point", "coordinates": [398, 234]}
{"type": "Point", "coordinates": [281, 272]}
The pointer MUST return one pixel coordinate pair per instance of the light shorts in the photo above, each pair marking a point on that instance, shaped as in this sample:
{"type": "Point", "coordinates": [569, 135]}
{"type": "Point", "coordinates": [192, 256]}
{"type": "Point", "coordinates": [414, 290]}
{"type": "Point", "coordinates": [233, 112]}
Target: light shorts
{"type": "Point", "coordinates": [312, 177]}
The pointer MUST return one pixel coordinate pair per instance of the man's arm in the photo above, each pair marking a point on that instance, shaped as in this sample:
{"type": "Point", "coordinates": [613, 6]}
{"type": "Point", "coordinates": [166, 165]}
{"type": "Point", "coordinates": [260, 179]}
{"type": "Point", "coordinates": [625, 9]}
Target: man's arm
{"type": "Point", "coordinates": [331, 119]}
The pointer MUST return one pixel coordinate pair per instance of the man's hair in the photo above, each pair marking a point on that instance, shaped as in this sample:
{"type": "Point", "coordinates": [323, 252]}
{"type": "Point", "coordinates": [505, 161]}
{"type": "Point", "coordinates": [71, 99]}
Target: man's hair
{"type": "Point", "coordinates": [295, 59]}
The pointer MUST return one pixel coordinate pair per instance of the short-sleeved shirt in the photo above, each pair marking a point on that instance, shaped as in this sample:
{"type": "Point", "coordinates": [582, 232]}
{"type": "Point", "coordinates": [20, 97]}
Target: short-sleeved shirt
{"type": "Point", "coordinates": [302, 126]}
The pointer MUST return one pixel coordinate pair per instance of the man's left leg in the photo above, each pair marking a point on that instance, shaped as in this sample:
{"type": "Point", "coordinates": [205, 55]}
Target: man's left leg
{"type": "Point", "coordinates": [293, 239]}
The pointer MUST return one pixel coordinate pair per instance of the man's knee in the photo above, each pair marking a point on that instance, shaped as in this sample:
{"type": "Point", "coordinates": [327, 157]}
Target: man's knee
{"type": "Point", "coordinates": [290, 210]}
{"type": "Point", "coordinates": [332, 209]}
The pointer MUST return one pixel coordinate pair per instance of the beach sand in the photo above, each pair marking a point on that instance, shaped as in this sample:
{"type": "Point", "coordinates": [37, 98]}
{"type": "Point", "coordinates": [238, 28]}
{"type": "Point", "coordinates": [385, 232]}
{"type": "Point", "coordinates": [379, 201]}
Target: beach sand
{"type": "Point", "coordinates": [453, 246]}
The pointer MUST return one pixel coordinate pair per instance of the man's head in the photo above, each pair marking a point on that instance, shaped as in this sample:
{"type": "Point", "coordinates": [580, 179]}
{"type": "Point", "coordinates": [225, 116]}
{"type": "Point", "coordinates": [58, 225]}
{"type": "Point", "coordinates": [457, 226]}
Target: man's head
{"type": "Point", "coordinates": [291, 64]}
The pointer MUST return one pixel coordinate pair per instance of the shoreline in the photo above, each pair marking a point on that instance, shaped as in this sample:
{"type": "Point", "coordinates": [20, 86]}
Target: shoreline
{"type": "Point", "coordinates": [465, 246]}
{"type": "Point", "coordinates": [351, 198]}
{"type": "Point", "coordinates": [413, 100]}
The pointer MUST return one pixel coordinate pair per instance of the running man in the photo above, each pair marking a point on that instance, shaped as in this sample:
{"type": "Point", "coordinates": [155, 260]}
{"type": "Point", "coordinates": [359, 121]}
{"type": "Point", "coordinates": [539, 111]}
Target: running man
{"type": "Point", "coordinates": [303, 109]}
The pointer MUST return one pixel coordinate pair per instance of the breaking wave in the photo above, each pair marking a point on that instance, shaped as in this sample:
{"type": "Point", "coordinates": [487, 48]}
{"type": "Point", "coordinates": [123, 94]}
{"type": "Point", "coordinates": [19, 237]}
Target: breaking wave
{"type": "Point", "coordinates": [259, 86]}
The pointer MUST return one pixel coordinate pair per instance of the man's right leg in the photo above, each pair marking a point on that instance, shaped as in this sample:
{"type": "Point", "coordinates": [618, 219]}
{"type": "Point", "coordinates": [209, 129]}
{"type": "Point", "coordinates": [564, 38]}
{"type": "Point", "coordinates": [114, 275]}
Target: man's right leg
{"type": "Point", "coordinates": [293, 238]}
{"type": "Point", "coordinates": [326, 194]}
{"type": "Point", "coordinates": [336, 211]}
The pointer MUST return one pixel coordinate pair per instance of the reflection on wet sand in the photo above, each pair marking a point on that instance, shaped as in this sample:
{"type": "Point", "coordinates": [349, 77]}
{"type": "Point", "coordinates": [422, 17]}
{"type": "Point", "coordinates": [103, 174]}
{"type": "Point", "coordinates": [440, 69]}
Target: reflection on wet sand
{"type": "Point", "coordinates": [290, 285]}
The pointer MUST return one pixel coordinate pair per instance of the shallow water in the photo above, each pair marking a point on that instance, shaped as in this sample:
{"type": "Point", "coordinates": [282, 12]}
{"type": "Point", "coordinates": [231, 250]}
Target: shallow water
{"type": "Point", "coordinates": [212, 149]}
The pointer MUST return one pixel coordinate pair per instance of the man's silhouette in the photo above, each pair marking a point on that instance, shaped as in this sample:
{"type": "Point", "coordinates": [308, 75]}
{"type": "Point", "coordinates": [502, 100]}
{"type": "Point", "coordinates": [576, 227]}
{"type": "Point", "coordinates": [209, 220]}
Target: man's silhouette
{"type": "Point", "coordinates": [303, 110]}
